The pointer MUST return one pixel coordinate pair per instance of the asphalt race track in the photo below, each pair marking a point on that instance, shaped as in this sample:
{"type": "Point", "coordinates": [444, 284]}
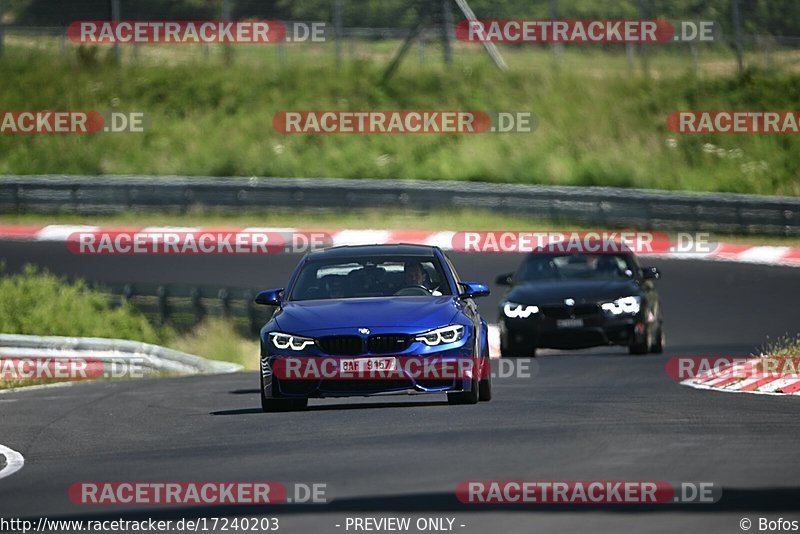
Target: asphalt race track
{"type": "Point", "coordinates": [595, 414]}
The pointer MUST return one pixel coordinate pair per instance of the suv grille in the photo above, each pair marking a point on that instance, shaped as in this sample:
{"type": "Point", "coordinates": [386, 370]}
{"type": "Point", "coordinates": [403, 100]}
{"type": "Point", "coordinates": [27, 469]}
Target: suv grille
{"type": "Point", "coordinates": [341, 345]}
{"type": "Point", "coordinates": [567, 312]}
{"type": "Point", "coordinates": [388, 343]}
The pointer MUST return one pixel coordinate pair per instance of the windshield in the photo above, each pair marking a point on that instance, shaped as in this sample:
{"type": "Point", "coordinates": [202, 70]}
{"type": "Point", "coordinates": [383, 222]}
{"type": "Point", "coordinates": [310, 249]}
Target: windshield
{"type": "Point", "coordinates": [381, 276]}
{"type": "Point", "coordinates": [576, 267]}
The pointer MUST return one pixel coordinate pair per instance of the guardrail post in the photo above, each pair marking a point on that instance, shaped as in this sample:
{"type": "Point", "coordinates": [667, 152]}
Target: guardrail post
{"type": "Point", "coordinates": [197, 304]}
{"type": "Point", "coordinates": [2, 29]}
{"type": "Point", "coordinates": [251, 312]}
{"type": "Point", "coordinates": [225, 301]}
{"type": "Point", "coordinates": [338, 28]}
{"type": "Point", "coordinates": [115, 16]}
{"type": "Point", "coordinates": [163, 309]}
{"type": "Point", "coordinates": [737, 35]}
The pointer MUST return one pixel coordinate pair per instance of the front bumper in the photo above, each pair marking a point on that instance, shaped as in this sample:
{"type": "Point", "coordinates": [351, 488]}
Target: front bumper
{"type": "Point", "coordinates": [448, 371]}
{"type": "Point", "coordinates": [597, 330]}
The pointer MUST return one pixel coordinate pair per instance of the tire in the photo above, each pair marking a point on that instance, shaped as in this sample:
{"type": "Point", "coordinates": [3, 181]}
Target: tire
{"type": "Point", "coordinates": [659, 342]}
{"type": "Point", "coordinates": [281, 405]}
{"type": "Point", "coordinates": [465, 397]}
{"type": "Point", "coordinates": [517, 350]}
{"type": "Point", "coordinates": [640, 347]}
{"type": "Point", "coordinates": [485, 384]}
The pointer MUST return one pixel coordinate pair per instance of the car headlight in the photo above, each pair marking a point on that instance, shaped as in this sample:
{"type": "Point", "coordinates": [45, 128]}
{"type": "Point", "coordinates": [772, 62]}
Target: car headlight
{"type": "Point", "coordinates": [514, 310]}
{"type": "Point", "coordinates": [287, 341]}
{"type": "Point", "coordinates": [446, 334]}
{"type": "Point", "coordinates": [624, 305]}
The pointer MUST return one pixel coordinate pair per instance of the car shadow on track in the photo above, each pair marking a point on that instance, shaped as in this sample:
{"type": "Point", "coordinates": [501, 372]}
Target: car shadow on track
{"type": "Point", "coordinates": [337, 407]}
{"type": "Point", "coordinates": [370, 405]}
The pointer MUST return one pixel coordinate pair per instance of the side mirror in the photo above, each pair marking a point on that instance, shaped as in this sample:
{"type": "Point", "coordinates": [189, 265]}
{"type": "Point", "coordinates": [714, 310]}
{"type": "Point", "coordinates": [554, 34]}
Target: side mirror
{"type": "Point", "coordinates": [504, 279]}
{"type": "Point", "coordinates": [270, 297]}
{"type": "Point", "coordinates": [650, 273]}
{"type": "Point", "coordinates": [473, 290]}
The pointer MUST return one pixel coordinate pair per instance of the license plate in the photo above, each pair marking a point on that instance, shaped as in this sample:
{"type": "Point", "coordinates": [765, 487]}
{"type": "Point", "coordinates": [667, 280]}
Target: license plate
{"type": "Point", "coordinates": [360, 365]}
{"type": "Point", "coordinates": [569, 323]}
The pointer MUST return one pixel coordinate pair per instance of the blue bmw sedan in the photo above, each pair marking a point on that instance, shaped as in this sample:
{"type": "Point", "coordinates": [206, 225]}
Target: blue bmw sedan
{"type": "Point", "coordinates": [374, 319]}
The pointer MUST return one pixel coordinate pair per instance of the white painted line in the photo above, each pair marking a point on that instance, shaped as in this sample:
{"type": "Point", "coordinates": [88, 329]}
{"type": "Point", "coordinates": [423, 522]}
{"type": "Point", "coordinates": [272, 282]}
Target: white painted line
{"type": "Point", "coordinates": [263, 230]}
{"type": "Point", "coordinates": [744, 383]}
{"type": "Point", "coordinates": [14, 461]}
{"type": "Point", "coordinates": [444, 240]}
{"type": "Point", "coordinates": [169, 230]}
{"type": "Point", "coordinates": [361, 237]}
{"type": "Point", "coordinates": [60, 232]}
{"type": "Point", "coordinates": [777, 384]}
{"type": "Point", "coordinates": [739, 391]}
{"type": "Point", "coordinates": [42, 386]}
{"type": "Point", "coordinates": [765, 254]}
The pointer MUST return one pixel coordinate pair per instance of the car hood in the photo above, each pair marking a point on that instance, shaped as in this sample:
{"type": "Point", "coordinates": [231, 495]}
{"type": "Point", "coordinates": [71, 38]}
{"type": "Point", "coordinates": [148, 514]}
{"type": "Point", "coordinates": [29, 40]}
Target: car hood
{"type": "Point", "coordinates": [554, 292]}
{"type": "Point", "coordinates": [379, 314]}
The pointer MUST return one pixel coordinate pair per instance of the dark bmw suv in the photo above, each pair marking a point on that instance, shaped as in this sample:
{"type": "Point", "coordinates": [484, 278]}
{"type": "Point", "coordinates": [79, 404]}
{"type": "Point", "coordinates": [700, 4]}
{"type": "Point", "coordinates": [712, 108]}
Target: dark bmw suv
{"type": "Point", "coordinates": [573, 301]}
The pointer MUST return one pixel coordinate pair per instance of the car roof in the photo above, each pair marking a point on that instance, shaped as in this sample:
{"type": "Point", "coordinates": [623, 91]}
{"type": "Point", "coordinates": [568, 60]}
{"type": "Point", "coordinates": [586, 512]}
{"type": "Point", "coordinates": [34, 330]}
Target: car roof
{"type": "Point", "coordinates": [348, 251]}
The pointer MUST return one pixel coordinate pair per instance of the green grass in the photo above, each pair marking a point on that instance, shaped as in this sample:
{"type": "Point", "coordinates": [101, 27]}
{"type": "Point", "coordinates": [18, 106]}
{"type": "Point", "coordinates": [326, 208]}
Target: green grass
{"type": "Point", "coordinates": [598, 122]}
{"type": "Point", "coordinates": [217, 339]}
{"type": "Point", "coordinates": [784, 347]}
{"type": "Point", "coordinates": [38, 303]}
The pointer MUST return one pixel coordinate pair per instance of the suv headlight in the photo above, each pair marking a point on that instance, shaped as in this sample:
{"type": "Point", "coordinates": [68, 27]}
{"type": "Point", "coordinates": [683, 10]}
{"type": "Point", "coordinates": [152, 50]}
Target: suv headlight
{"type": "Point", "coordinates": [514, 310]}
{"type": "Point", "coordinates": [629, 305]}
{"type": "Point", "coordinates": [438, 336]}
{"type": "Point", "coordinates": [288, 341]}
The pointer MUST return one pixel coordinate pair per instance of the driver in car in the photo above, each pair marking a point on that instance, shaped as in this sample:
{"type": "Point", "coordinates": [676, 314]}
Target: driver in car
{"type": "Point", "coordinates": [414, 274]}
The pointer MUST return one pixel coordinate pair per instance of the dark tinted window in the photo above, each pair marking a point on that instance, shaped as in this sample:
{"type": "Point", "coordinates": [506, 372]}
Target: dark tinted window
{"type": "Point", "coordinates": [576, 267]}
{"type": "Point", "coordinates": [378, 276]}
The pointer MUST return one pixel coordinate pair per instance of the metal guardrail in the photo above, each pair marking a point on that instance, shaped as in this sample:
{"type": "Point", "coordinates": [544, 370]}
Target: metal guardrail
{"type": "Point", "coordinates": [145, 355]}
{"type": "Point", "coordinates": [606, 206]}
{"type": "Point", "coordinates": [186, 306]}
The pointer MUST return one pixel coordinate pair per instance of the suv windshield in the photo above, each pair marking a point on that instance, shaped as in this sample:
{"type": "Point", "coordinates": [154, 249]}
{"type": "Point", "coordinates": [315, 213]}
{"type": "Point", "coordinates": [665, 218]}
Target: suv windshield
{"type": "Point", "coordinates": [379, 276]}
{"type": "Point", "coordinates": [576, 266]}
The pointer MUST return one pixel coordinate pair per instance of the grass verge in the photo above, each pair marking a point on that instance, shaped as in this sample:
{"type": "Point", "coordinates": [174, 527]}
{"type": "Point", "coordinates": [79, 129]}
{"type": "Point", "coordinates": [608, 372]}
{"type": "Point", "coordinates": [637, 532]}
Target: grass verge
{"type": "Point", "coordinates": [38, 303]}
{"type": "Point", "coordinates": [209, 119]}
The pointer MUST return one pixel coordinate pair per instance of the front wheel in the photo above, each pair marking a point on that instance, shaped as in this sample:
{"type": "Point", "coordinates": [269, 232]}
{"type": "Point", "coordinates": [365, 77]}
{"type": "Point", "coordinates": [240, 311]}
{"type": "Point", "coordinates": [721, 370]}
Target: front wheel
{"type": "Point", "coordinates": [465, 397]}
{"type": "Point", "coordinates": [280, 405]}
{"type": "Point", "coordinates": [485, 384]}
{"type": "Point", "coordinates": [659, 342]}
{"type": "Point", "coordinates": [511, 349]}
{"type": "Point", "coordinates": [640, 347]}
